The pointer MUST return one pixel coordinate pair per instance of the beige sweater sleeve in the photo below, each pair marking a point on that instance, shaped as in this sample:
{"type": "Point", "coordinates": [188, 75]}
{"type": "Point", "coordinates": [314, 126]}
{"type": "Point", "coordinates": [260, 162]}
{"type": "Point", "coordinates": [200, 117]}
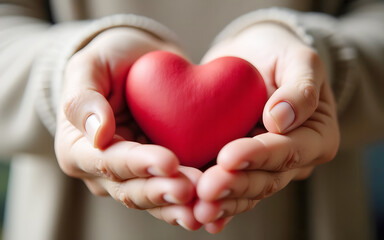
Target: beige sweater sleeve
{"type": "Point", "coordinates": [23, 34]}
{"type": "Point", "coordinates": [33, 55]}
{"type": "Point", "coordinates": [352, 48]}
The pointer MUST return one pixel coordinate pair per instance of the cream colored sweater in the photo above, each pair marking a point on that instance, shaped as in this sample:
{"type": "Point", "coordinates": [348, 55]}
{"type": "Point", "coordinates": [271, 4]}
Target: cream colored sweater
{"type": "Point", "coordinates": [38, 37]}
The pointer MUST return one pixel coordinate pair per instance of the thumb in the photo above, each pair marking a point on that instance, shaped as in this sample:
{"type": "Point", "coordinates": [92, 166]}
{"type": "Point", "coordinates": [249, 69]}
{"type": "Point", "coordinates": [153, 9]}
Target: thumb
{"type": "Point", "coordinates": [92, 114]}
{"type": "Point", "coordinates": [297, 96]}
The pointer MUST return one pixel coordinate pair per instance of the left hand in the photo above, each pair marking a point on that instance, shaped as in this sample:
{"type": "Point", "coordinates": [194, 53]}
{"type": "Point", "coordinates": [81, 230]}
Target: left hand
{"type": "Point", "coordinates": [97, 139]}
{"type": "Point", "coordinates": [300, 119]}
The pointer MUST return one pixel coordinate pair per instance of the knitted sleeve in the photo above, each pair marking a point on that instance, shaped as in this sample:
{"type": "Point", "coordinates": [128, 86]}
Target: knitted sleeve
{"type": "Point", "coordinates": [33, 56]}
{"type": "Point", "coordinates": [352, 49]}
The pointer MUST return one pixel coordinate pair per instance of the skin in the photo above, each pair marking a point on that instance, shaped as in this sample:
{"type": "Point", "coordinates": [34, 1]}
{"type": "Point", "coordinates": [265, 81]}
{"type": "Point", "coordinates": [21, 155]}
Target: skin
{"type": "Point", "coordinates": [94, 142]}
{"type": "Point", "coordinates": [254, 168]}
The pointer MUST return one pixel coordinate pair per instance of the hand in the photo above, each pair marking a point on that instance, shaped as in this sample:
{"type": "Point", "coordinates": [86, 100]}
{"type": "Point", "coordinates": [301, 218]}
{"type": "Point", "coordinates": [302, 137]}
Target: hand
{"type": "Point", "coordinates": [93, 141]}
{"type": "Point", "coordinates": [300, 119]}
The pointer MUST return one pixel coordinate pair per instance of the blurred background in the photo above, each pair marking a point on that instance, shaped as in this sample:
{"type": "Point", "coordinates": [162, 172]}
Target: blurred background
{"type": "Point", "coordinates": [4, 170]}
{"type": "Point", "coordinates": [375, 180]}
{"type": "Point", "coordinates": [374, 164]}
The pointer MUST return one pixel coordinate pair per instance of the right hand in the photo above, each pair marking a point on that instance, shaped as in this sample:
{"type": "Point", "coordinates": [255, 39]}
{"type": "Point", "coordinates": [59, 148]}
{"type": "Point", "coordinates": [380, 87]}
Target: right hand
{"type": "Point", "coordinates": [96, 138]}
{"type": "Point", "coordinates": [300, 120]}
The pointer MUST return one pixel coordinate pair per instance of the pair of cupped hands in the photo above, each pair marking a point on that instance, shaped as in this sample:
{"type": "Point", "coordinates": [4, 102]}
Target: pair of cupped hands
{"type": "Point", "coordinates": [98, 141]}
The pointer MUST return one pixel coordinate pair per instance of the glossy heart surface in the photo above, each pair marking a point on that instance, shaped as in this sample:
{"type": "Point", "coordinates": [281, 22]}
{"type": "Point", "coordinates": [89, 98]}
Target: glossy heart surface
{"type": "Point", "coordinates": [194, 110]}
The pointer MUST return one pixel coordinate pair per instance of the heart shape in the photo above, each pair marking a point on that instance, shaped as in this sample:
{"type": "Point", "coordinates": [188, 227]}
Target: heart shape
{"type": "Point", "coordinates": [194, 110]}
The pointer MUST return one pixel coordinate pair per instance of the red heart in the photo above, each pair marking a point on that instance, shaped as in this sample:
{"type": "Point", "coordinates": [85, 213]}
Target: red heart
{"type": "Point", "coordinates": [194, 110]}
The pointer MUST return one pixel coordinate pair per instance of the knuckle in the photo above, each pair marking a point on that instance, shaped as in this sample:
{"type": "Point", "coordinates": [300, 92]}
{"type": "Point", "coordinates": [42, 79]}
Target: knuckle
{"type": "Point", "coordinates": [311, 96]}
{"type": "Point", "coordinates": [71, 105]}
{"type": "Point", "coordinates": [241, 206]}
{"type": "Point", "coordinates": [307, 92]}
{"type": "Point", "coordinates": [236, 208]}
{"type": "Point", "coordinates": [264, 148]}
{"type": "Point", "coordinates": [250, 204]}
{"type": "Point", "coordinates": [273, 187]}
{"type": "Point", "coordinates": [101, 169]}
{"type": "Point", "coordinates": [270, 188]}
{"type": "Point", "coordinates": [110, 174]}
{"type": "Point", "coordinates": [307, 85]}
{"type": "Point", "coordinates": [247, 186]}
{"type": "Point", "coordinates": [123, 197]}
{"type": "Point", "coordinates": [292, 161]}
{"type": "Point", "coordinates": [128, 202]}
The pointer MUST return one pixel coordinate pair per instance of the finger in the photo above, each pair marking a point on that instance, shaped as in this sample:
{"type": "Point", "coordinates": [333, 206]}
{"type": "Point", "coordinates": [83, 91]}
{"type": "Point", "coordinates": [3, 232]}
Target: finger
{"type": "Point", "coordinates": [304, 173]}
{"type": "Point", "coordinates": [181, 215]}
{"type": "Point", "coordinates": [274, 152]}
{"type": "Point", "coordinates": [241, 184]}
{"type": "Point", "coordinates": [210, 212]}
{"type": "Point", "coordinates": [125, 160]}
{"type": "Point", "coordinates": [84, 100]}
{"type": "Point", "coordinates": [299, 77]}
{"type": "Point", "coordinates": [217, 226]}
{"type": "Point", "coordinates": [315, 142]}
{"type": "Point", "coordinates": [120, 161]}
{"type": "Point", "coordinates": [146, 193]}
{"type": "Point", "coordinates": [193, 174]}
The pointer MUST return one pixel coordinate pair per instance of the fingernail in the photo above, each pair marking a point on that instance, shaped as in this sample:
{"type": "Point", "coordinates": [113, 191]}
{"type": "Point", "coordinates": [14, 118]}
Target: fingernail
{"type": "Point", "coordinates": [170, 199]}
{"type": "Point", "coordinates": [155, 171]}
{"type": "Point", "coordinates": [182, 224]}
{"type": "Point", "coordinates": [92, 125]}
{"type": "Point", "coordinates": [283, 115]}
{"type": "Point", "coordinates": [243, 165]}
{"type": "Point", "coordinates": [219, 215]}
{"type": "Point", "coordinates": [224, 194]}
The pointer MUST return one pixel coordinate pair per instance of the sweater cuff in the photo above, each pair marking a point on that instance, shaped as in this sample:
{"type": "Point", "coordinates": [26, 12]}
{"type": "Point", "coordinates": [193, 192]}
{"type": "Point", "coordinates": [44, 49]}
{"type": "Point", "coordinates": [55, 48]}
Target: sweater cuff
{"type": "Point", "coordinates": [315, 30]}
{"type": "Point", "coordinates": [66, 40]}
{"type": "Point", "coordinates": [338, 54]}
{"type": "Point", "coordinates": [284, 17]}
